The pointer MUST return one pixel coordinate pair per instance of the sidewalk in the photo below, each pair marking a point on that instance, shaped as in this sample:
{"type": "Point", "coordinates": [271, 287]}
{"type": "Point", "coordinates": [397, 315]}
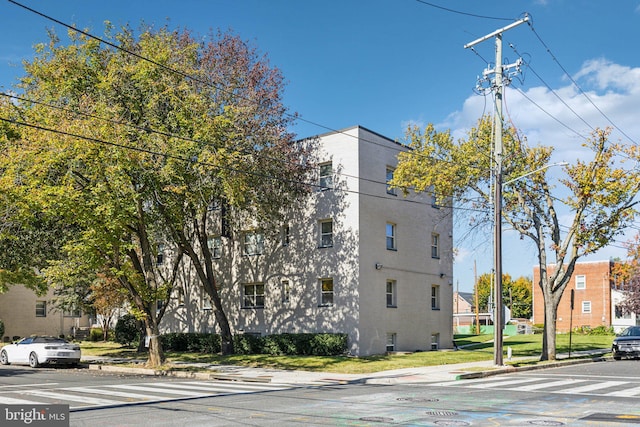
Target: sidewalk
{"type": "Point", "coordinates": [423, 374]}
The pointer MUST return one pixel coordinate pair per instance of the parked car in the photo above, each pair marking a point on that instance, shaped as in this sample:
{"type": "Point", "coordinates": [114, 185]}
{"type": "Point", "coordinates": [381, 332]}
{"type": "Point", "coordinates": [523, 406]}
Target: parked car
{"type": "Point", "coordinates": [627, 343]}
{"type": "Point", "coordinates": [40, 350]}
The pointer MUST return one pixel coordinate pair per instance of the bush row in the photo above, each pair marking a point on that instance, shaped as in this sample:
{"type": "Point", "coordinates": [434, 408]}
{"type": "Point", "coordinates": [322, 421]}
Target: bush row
{"type": "Point", "coordinates": [282, 344]}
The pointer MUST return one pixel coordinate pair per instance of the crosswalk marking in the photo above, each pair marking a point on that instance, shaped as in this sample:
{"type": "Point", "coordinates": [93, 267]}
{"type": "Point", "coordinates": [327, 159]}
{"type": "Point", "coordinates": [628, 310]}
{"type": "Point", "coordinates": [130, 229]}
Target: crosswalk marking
{"type": "Point", "coordinates": [67, 396]}
{"type": "Point", "coordinates": [6, 400]}
{"type": "Point", "coordinates": [155, 389]}
{"type": "Point", "coordinates": [93, 390]}
{"type": "Point", "coordinates": [124, 394]}
{"type": "Point", "coordinates": [592, 387]}
{"type": "Point", "coordinates": [549, 384]}
{"type": "Point", "coordinates": [581, 386]}
{"type": "Point", "coordinates": [630, 392]}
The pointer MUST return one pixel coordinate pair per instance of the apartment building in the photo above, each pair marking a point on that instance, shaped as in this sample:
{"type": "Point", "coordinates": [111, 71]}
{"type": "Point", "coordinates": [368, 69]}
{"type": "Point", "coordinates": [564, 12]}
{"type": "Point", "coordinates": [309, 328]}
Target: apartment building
{"type": "Point", "coordinates": [359, 258]}
{"type": "Point", "coordinates": [596, 298]}
{"type": "Point", "coordinates": [24, 313]}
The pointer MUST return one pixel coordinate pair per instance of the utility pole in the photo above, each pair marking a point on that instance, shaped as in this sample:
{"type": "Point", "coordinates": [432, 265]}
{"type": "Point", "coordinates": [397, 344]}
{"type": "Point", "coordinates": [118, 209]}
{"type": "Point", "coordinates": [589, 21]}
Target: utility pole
{"type": "Point", "coordinates": [498, 318]}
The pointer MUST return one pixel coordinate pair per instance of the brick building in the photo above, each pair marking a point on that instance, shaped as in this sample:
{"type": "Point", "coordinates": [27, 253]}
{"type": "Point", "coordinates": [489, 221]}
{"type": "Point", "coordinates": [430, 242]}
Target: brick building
{"type": "Point", "coordinates": [596, 297]}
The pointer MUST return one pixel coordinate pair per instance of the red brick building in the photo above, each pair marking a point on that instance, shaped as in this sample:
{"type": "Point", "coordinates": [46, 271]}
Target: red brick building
{"type": "Point", "coordinates": [596, 294]}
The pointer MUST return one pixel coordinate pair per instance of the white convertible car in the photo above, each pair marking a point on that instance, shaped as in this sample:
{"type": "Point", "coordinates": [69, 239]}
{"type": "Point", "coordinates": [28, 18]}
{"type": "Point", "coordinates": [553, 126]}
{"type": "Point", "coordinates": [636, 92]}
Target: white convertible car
{"type": "Point", "coordinates": [39, 350]}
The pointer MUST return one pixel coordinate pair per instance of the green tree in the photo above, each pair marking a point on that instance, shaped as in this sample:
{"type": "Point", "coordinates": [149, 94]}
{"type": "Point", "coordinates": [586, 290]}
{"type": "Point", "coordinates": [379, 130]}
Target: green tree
{"type": "Point", "coordinates": [516, 294]}
{"type": "Point", "coordinates": [600, 196]}
{"type": "Point", "coordinates": [135, 145]}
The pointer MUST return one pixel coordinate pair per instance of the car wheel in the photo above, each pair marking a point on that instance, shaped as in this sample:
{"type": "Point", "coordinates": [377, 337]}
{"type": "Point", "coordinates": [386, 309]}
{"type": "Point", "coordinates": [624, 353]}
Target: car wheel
{"type": "Point", "coordinates": [4, 359]}
{"type": "Point", "coordinates": [33, 360]}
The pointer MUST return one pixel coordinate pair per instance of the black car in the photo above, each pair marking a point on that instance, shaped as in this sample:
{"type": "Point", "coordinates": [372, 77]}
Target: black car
{"type": "Point", "coordinates": [627, 343]}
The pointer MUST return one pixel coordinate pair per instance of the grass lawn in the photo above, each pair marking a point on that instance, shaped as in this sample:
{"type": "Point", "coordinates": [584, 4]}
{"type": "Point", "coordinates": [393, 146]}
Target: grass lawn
{"type": "Point", "coordinates": [480, 348]}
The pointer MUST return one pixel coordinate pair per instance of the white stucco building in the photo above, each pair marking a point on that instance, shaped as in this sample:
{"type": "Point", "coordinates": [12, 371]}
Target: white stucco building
{"type": "Point", "coordinates": [359, 259]}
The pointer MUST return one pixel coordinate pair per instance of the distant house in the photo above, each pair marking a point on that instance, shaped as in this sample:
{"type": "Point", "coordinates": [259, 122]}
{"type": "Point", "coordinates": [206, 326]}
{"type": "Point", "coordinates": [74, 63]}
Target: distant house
{"type": "Point", "coordinates": [24, 313]}
{"type": "Point", "coordinates": [596, 302]}
{"type": "Point", "coordinates": [464, 313]}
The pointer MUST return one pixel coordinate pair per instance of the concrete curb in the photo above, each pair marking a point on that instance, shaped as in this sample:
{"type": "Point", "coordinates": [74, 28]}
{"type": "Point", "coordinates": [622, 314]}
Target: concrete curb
{"type": "Point", "coordinates": [180, 374]}
{"type": "Point", "coordinates": [511, 369]}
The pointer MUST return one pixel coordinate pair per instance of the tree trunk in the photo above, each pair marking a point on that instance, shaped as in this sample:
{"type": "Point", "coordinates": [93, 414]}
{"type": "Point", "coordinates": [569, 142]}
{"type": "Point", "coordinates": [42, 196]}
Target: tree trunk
{"type": "Point", "coordinates": [549, 331]}
{"type": "Point", "coordinates": [226, 338]}
{"type": "Point", "coordinates": [156, 354]}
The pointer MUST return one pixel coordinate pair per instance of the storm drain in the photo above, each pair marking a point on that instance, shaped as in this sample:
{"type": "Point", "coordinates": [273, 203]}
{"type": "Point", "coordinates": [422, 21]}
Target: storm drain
{"type": "Point", "coordinates": [451, 423]}
{"type": "Point", "coordinates": [442, 413]}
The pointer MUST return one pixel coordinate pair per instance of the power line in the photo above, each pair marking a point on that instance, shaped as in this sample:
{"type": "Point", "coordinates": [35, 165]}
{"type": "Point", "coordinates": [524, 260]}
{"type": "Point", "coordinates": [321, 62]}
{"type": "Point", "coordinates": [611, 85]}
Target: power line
{"type": "Point", "coordinates": [578, 86]}
{"type": "Point", "coordinates": [463, 13]}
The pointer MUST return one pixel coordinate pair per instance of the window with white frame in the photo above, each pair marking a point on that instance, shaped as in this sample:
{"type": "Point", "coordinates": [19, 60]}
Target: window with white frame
{"type": "Point", "coordinates": [325, 227]}
{"type": "Point", "coordinates": [622, 313]}
{"type": "Point", "coordinates": [253, 243]}
{"type": "Point", "coordinates": [41, 309]}
{"type": "Point", "coordinates": [391, 237]}
{"type": "Point", "coordinates": [286, 291]}
{"type": "Point", "coordinates": [586, 306]}
{"type": "Point", "coordinates": [160, 255]}
{"type": "Point", "coordinates": [435, 245]}
{"type": "Point", "coordinates": [326, 175]}
{"type": "Point", "coordinates": [390, 189]}
{"type": "Point", "coordinates": [253, 295]}
{"type": "Point", "coordinates": [435, 341]}
{"type": "Point", "coordinates": [435, 297]}
{"type": "Point", "coordinates": [581, 281]}
{"type": "Point", "coordinates": [215, 246]}
{"type": "Point", "coordinates": [205, 301]}
{"type": "Point", "coordinates": [391, 341]}
{"type": "Point", "coordinates": [285, 233]}
{"type": "Point", "coordinates": [180, 292]}
{"type": "Point", "coordinates": [326, 291]}
{"type": "Point", "coordinates": [391, 293]}
{"type": "Point", "coordinates": [72, 312]}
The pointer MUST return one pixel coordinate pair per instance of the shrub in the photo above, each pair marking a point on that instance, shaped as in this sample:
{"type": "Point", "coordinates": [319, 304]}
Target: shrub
{"type": "Point", "coordinates": [1, 328]}
{"type": "Point", "coordinates": [95, 334]}
{"type": "Point", "coordinates": [329, 344]}
{"type": "Point", "coordinates": [247, 344]}
{"type": "Point", "coordinates": [191, 342]}
{"type": "Point", "coordinates": [126, 330]}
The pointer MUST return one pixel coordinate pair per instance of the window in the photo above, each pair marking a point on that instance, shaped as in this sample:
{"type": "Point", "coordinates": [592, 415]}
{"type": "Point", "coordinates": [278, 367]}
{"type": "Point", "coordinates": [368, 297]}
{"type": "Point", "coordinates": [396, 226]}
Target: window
{"type": "Point", "coordinates": [41, 309]}
{"type": "Point", "coordinates": [391, 293]}
{"type": "Point", "coordinates": [253, 243]}
{"type": "Point", "coordinates": [205, 301]}
{"type": "Point", "coordinates": [73, 312]}
{"type": "Point", "coordinates": [435, 341]}
{"type": "Point", "coordinates": [586, 306]}
{"type": "Point", "coordinates": [435, 245]}
{"type": "Point", "coordinates": [390, 171]}
{"type": "Point", "coordinates": [391, 341]}
{"type": "Point", "coordinates": [434, 201]}
{"type": "Point", "coordinates": [215, 246]}
{"type": "Point", "coordinates": [180, 292]}
{"type": "Point", "coordinates": [622, 313]}
{"type": "Point", "coordinates": [160, 305]}
{"type": "Point", "coordinates": [391, 237]}
{"type": "Point", "coordinates": [285, 235]}
{"type": "Point", "coordinates": [286, 291]}
{"type": "Point", "coordinates": [581, 281]}
{"type": "Point", "coordinates": [326, 233]}
{"type": "Point", "coordinates": [326, 291]}
{"type": "Point", "coordinates": [253, 295]}
{"type": "Point", "coordinates": [435, 297]}
{"type": "Point", "coordinates": [326, 176]}
{"type": "Point", "coordinates": [160, 256]}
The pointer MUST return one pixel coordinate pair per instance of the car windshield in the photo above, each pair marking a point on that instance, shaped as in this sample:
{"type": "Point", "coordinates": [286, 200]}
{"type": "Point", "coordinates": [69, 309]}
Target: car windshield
{"type": "Point", "coordinates": [48, 340]}
{"type": "Point", "coordinates": [631, 332]}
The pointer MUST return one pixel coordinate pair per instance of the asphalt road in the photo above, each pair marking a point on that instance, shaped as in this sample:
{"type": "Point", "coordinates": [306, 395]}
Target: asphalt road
{"type": "Point", "coordinates": [595, 394]}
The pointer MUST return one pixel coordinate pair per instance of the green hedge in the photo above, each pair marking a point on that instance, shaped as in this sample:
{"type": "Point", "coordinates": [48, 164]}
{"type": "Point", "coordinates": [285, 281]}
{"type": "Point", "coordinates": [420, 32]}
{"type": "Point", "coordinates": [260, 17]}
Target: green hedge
{"type": "Point", "coordinates": [282, 344]}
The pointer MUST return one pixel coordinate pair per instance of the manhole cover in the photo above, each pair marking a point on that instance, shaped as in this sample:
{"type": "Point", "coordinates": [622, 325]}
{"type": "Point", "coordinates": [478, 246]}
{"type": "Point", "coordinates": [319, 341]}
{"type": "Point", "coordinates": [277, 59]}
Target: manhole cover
{"type": "Point", "coordinates": [545, 423]}
{"type": "Point", "coordinates": [376, 419]}
{"type": "Point", "coordinates": [442, 413]}
{"type": "Point", "coordinates": [451, 423]}
{"type": "Point", "coordinates": [418, 399]}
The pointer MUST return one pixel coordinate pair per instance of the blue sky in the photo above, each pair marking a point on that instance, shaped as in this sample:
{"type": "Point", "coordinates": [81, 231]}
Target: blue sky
{"type": "Point", "coordinates": [384, 64]}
